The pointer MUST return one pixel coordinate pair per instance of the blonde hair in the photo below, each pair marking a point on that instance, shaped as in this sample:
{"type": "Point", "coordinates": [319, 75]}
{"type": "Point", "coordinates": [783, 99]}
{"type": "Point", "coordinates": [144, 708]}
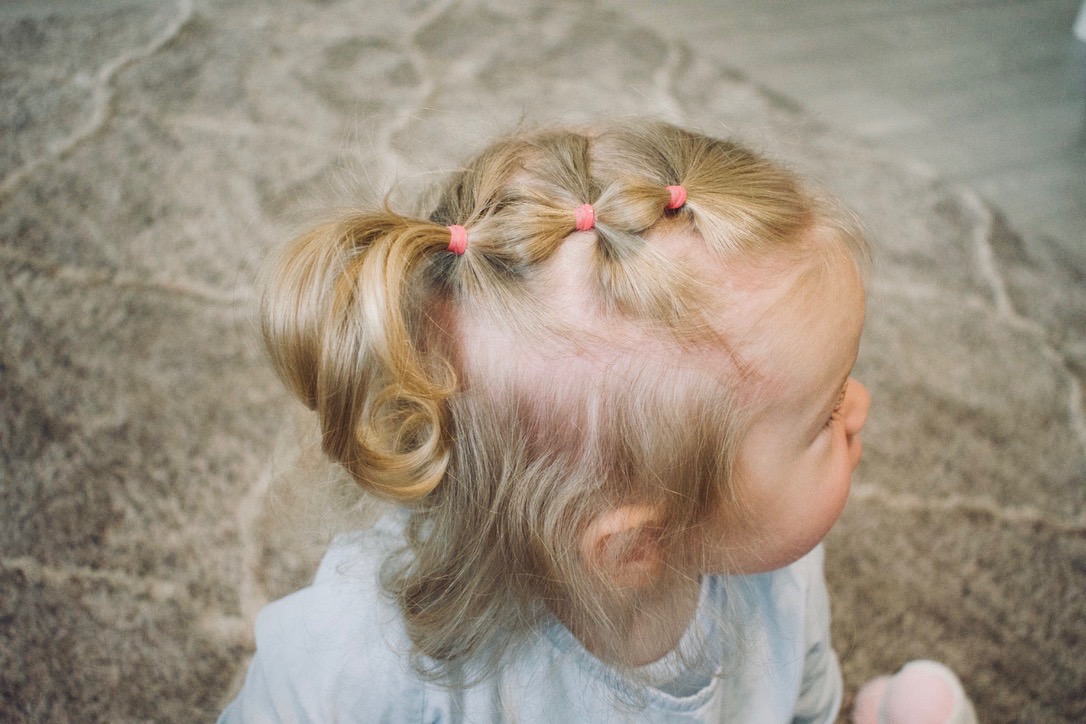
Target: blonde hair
{"type": "Point", "coordinates": [509, 395]}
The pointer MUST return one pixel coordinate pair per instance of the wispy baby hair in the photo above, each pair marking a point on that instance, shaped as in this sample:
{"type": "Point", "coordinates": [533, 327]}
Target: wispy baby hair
{"type": "Point", "coordinates": [508, 371]}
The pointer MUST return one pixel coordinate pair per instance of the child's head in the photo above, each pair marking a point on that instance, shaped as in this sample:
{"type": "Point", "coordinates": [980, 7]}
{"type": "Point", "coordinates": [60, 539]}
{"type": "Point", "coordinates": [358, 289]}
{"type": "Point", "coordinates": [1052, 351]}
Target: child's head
{"type": "Point", "coordinates": [586, 396]}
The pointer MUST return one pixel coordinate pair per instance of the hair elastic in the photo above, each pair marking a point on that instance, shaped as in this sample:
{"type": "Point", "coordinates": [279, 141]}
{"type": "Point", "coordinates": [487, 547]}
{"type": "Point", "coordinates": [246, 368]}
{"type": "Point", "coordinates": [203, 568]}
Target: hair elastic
{"type": "Point", "coordinates": [678, 197]}
{"type": "Point", "coordinates": [458, 239]}
{"type": "Point", "coordinates": [585, 217]}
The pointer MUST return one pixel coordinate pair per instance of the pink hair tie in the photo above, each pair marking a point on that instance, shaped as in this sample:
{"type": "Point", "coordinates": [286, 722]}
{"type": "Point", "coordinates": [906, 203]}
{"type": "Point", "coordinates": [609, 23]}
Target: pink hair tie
{"type": "Point", "coordinates": [458, 239]}
{"type": "Point", "coordinates": [585, 217]}
{"type": "Point", "coordinates": [678, 197]}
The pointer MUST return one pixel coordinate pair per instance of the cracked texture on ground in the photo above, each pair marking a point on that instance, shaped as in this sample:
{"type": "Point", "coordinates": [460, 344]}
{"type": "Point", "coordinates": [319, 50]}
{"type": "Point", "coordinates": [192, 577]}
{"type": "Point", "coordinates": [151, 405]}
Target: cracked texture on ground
{"type": "Point", "coordinates": [152, 153]}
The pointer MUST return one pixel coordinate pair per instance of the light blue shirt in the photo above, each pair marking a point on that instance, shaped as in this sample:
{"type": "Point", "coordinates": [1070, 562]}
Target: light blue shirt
{"type": "Point", "coordinates": [337, 652]}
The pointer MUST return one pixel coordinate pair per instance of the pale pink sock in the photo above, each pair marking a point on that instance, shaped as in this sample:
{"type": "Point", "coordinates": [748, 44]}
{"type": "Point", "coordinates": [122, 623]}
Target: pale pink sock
{"type": "Point", "coordinates": [865, 710]}
{"type": "Point", "coordinates": [923, 692]}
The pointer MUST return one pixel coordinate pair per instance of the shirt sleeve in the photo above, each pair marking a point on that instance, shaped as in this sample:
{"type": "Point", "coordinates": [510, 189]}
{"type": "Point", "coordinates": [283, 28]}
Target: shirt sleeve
{"type": "Point", "coordinates": [822, 688]}
{"type": "Point", "coordinates": [330, 652]}
{"type": "Point", "coordinates": [257, 702]}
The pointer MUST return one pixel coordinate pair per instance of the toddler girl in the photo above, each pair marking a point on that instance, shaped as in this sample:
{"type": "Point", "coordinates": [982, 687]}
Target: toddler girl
{"type": "Point", "coordinates": [606, 386]}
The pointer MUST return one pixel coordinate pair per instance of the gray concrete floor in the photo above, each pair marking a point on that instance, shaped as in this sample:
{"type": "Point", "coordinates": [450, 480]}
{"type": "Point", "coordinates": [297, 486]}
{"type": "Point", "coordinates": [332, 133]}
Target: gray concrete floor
{"type": "Point", "coordinates": [990, 93]}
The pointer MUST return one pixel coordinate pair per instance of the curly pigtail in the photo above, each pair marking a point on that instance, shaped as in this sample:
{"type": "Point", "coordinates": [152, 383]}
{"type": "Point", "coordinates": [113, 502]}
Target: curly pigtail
{"type": "Point", "coordinates": [344, 318]}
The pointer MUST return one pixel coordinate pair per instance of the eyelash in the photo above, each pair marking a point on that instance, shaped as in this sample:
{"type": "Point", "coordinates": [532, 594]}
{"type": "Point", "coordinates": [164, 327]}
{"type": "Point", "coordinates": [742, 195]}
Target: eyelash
{"type": "Point", "coordinates": [837, 405]}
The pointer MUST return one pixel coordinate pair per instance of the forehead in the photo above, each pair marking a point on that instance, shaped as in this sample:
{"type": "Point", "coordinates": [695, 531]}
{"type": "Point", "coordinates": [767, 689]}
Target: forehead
{"type": "Point", "coordinates": [799, 333]}
{"type": "Point", "coordinates": [786, 314]}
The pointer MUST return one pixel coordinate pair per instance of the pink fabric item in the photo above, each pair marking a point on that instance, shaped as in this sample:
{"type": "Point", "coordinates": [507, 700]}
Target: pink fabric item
{"type": "Point", "coordinates": [585, 217]}
{"type": "Point", "coordinates": [865, 709]}
{"type": "Point", "coordinates": [458, 239]}
{"type": "Point", "coordinates": [923, 692]}
{"type": "Point", "coordinates": [917, 695]}
{"type": "Point", "coordinates": [678, 197]}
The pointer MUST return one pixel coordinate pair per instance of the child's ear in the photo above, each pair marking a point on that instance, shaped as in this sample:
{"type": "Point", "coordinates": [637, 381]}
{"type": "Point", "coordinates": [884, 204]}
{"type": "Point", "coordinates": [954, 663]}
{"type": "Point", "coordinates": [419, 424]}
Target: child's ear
{"type": "Point", "coordinates": [623, 546]}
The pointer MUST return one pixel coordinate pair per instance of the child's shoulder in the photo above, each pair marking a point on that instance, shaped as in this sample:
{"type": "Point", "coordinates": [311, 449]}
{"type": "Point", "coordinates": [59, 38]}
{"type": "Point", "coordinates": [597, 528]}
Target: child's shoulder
{"type": "Point", "coordinates": [344, 602]}
{"type": "Point", "coordinates": [336, 646]}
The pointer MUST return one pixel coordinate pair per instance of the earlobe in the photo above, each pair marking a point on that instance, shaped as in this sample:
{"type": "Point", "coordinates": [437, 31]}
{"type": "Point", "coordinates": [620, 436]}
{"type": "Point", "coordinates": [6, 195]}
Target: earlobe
{"type": "Point", "coordinates": [622, 545]}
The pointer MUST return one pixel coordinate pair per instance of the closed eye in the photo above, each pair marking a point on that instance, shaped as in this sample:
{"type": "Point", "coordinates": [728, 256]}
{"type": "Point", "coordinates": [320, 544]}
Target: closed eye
{"type": "Point", "coordinates": [838, 404]}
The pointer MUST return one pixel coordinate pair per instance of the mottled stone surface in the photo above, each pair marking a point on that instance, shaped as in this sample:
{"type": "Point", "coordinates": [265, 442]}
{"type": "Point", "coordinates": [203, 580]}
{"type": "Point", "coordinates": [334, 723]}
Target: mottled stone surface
{"type": "Point", "coordinates": [151, 154]}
